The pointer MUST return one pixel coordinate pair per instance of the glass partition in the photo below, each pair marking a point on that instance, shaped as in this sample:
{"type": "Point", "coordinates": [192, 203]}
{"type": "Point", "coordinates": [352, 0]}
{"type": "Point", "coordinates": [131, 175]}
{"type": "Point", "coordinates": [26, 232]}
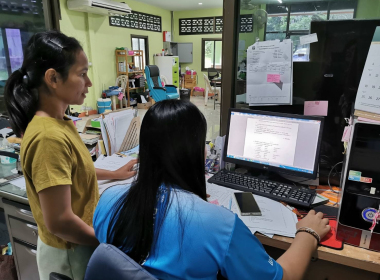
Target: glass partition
{"type": "Point", "coordinates": [288, 20]}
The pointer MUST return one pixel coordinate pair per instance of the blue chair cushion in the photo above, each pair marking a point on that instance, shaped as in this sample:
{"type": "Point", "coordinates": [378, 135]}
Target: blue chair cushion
{"type": "Point", "coordinates": [108, 262]}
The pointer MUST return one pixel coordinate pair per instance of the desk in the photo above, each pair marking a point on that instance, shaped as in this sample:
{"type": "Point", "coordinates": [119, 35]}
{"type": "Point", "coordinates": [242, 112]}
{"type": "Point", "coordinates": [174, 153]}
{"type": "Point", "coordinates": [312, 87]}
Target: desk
{"type": "Point", "coordinates": [351, 257]}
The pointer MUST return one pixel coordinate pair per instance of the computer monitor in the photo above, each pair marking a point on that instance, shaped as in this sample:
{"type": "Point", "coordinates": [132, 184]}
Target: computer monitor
{"type": "Point", "coordinates": [277, 142]}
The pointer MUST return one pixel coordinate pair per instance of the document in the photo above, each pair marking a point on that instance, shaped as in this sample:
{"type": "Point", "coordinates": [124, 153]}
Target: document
{"type": "Point", "coordinates": [275, 219]}
{"type": "Point", "coordinates": [271, 141]}
{"type": "Point", "coordinates": [20, 182]}
{"type": "Point", "coordinates": [115, 126]}
{"type": "Point", "coordinates": [270, 73]}
{"type": "Point", "coordinates": [111, 163]}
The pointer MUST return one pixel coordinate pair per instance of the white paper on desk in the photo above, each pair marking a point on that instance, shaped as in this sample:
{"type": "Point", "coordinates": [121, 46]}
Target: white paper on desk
{"type": "Point", "coordinates": [275, 219]}
{"type": "Point", "coordinates": [5, 130]}
{"type": "Point", "coordinates": [143, 100]}
{"type": "Point", "coordinates": [269, 73]}
{"type": "Point", "coordinates": [111, 163]}
{"type": "Point", "coordinates": [20, 182]}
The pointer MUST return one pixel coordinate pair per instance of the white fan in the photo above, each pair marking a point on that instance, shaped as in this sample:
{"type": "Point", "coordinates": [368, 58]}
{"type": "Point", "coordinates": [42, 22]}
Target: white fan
{"type": "Point", "coordinates": [260, 17]}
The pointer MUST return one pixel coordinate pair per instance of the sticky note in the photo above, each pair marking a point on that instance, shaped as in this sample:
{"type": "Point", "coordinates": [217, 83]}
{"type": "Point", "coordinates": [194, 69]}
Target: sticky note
{"type": "Point", "coordinates": [372, 191]}
{"type": "Point", "coordinates": [273, 78]}
{"type": "Point", "coordinates": [366, 180]}
{"type": "Point", "coordinates": [316, 108]}
{"type": "Point", "coordinates": [216, 202]}
{"type": "Point", "coordinates": [308, 39]}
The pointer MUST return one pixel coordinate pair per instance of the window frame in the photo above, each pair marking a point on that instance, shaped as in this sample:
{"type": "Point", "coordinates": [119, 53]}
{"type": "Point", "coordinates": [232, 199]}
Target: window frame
{"type": "Point", "coordinates": [203, 52]}
{"type": "Point", "coordinates": [146, 38]}
{"type": "Point", "coordinates": [288, 32]}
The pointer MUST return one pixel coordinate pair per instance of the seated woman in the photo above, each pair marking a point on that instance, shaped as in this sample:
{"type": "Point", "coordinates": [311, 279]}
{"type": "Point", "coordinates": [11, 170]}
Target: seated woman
{"type": "Point", "coordinates": [164, 222]}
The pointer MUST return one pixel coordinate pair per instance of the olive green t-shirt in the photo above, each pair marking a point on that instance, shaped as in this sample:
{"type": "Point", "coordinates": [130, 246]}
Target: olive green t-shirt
{"type": "Point", "coordinates": [53, 154]}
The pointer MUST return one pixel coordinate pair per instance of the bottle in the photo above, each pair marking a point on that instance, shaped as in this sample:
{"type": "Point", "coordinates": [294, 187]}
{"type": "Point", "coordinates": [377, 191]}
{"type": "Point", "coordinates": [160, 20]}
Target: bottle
{"type": "Point", "coordinates": [163, 52]}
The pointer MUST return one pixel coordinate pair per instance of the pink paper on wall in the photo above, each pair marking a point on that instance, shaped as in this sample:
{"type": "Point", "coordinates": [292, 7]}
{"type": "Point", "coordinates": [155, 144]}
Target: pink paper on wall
{"type": "Point", "coordinates": [273, 78]}
{"type": "Point", "coordinates": [316, 108]}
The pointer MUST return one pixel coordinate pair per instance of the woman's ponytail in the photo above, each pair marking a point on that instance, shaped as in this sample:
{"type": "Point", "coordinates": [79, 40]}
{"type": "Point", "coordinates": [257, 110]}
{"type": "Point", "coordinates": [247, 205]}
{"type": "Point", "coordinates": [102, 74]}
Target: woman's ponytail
{"type": "Point", "coordinates": [21, 101]}
{"type": "Point", "coordinates": [45, 50]}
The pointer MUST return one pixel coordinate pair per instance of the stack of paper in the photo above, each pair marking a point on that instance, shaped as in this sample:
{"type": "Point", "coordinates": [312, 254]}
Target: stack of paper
{"type": "Point", "coordinates": [270, 73]}
{"type": "Point", "coordinates": [114, 127]}
{"type": "Point", "coordinates": [112, 163]}
{"type": "Point", "coordinates": [89, 139]}
{"type": "Point", "coordinates": [275, 219]}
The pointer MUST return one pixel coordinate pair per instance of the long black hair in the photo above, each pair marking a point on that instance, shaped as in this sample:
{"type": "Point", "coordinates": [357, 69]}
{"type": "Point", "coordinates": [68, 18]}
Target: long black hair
{"type": "Point", "coordinates": [45, 50]}
{"type": "Point", "coordinates": [172, 154]}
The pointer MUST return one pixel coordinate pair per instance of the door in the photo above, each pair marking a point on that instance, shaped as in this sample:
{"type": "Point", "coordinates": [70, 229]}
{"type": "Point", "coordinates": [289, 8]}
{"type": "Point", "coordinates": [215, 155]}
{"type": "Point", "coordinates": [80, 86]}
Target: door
{"type": "Point", "coordinates": [140, 43]}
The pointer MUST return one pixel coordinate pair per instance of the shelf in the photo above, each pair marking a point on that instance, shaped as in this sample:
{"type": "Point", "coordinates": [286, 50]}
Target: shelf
{"type": "Point", "coordinates": [123, 55]}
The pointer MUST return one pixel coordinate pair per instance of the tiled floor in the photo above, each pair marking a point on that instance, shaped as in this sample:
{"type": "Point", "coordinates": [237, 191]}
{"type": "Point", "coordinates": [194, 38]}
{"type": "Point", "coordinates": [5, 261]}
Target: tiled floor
{"type": "Point", "coordinates": [212, 116]}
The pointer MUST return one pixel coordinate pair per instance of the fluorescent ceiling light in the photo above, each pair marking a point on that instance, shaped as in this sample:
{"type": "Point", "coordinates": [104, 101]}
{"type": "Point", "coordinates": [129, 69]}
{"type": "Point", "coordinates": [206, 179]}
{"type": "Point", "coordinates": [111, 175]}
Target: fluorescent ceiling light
{"type": "Point", "coordinates": [200, 3]}
{"type": "Point", "coordinates": [280, 1]}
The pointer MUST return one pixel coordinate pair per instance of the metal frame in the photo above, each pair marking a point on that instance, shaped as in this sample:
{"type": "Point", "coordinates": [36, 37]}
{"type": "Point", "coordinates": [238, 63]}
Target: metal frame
{"type": "Point", "coordinates": [229, 58]}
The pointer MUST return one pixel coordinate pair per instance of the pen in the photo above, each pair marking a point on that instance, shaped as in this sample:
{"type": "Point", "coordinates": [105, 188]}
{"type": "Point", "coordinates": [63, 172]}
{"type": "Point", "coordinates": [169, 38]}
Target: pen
{"type": "Point", "coordinates": [120, 154]}
{"type": "Point", "coordinates": [294, 210]}
{"type": "Point", "coordinates": [229, 207]}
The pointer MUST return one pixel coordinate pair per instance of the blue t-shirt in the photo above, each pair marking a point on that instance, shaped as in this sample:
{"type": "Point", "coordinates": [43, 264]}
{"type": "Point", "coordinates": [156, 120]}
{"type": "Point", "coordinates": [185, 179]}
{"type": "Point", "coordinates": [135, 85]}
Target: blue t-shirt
{"type": "Point", "coordinates": [214, 239]}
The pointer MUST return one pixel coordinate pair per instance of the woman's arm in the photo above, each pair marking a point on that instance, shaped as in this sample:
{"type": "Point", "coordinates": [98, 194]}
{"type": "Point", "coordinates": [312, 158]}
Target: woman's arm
{"type": "Point", "coordinates": [296, 259]}
{"type": "Point", "coordinates": [122, 173]}
{"type": "Point", "coordinates": [60, 219]}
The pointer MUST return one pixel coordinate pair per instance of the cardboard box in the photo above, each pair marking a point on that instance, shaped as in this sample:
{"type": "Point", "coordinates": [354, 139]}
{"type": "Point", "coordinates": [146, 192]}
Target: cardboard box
{"type": "Point", "coordinates": [198, 93]}
{"type": "Point", "coordinates": [146, 105]}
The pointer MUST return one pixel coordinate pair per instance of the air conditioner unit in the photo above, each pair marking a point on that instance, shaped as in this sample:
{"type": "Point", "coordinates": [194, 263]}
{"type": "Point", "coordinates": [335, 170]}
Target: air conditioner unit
{"type": "Point", "coordinates": [100, 7]}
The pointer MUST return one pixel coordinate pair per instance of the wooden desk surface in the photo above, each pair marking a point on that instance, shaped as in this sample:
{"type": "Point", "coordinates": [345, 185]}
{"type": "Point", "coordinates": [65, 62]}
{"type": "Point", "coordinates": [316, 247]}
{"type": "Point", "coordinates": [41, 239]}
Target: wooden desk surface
{"type": "Point", "coordinates": [350, 256]}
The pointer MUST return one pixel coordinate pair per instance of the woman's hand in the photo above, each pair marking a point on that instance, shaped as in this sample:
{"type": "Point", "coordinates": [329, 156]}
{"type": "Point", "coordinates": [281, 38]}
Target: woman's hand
{"type": "Point", "coordinates": [123, 173]}
{"type": "Point", "coordinates": [126, 171]}
{"type": "Point", "coordinates": [316, 222]}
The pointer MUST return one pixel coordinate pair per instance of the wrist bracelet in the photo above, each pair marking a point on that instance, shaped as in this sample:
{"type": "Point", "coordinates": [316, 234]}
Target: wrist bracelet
{"type": "Point", "coordinates": [310, 231]}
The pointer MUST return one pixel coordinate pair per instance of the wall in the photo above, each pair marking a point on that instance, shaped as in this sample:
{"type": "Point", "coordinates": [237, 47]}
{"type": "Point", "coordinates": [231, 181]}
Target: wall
{"type": "Point", "coordinates": [368, 9]}
{"type": "Point", "coordinates": [99, 41]}
{"type": "Point", "coordinates": [195, 39]}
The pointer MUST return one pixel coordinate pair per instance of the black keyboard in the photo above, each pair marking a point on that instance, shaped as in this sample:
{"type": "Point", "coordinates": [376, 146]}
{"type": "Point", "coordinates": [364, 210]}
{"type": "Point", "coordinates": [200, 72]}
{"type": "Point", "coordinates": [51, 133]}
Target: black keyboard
{"type": "Point", "coordinates": [271, 189]}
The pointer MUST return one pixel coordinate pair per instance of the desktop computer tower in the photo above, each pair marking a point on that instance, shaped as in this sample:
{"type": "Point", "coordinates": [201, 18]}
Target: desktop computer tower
{"type": "Point", "coordinates": [360, 194]}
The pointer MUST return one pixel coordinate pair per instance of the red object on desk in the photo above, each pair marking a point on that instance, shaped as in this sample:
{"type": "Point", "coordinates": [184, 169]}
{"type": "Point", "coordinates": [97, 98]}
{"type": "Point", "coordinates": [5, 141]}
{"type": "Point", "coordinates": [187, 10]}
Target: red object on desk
{"type": "Point", "coordinates": [329, 240]}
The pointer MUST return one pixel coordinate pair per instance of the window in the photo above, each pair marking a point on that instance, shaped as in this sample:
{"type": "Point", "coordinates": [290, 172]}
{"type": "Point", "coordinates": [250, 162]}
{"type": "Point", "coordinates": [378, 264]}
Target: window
{"type": "Point", "coordinates": [293, 21]}
{"type": "Point", "coordinates": [211, 54]}
{"type": "Point", "coordinates": [140, 43]}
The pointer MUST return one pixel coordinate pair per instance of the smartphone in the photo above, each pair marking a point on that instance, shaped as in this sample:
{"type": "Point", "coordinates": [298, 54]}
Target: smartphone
{"type": "Point", "coordinates": [247, 204]}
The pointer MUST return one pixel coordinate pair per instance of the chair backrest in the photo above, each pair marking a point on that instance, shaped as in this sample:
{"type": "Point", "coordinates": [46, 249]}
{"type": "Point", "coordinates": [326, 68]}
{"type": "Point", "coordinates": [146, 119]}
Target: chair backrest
{"type": "Point", "coordinates": [154, 75]}
{"type": "Point", "coordinates": [207, 82]}
{"type": "Point", "coordinates": [212, 73]}
{"type": "Point", "coordinates": [108, 262]}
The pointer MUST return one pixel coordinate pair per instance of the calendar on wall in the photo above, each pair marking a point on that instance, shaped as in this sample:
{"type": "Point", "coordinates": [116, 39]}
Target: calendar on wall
{"type": "Point", "coordinates": [368, 95]}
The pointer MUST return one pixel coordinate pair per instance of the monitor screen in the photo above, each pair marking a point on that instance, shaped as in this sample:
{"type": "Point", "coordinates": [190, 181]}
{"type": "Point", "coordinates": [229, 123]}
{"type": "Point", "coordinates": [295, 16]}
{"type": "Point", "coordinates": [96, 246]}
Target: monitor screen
{"type": "Point", "coordinates": [275, 141]}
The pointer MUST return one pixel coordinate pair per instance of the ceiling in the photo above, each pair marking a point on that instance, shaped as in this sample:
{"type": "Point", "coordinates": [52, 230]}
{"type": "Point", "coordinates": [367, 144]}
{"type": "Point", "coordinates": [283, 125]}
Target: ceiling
{"type": "Point", "coordinates": [181, 5]}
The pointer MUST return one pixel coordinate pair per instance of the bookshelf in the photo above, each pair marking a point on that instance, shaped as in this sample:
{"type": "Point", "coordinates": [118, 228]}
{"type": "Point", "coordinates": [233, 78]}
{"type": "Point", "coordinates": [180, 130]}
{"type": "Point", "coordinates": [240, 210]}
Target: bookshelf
{"type": "Point", "coordinates": [124, 59]}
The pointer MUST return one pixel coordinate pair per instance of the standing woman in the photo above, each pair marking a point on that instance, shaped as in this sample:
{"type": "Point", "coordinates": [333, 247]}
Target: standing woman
{"type": "Point", "coordinates": [60, 176]}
